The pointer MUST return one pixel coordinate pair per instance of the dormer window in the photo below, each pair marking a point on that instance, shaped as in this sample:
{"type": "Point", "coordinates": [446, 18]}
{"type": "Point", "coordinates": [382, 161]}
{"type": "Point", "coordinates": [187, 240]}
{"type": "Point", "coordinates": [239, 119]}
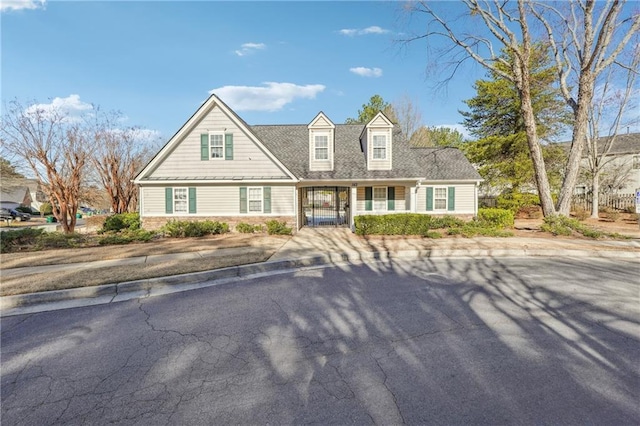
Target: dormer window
{"type": "Point", "coordinates": [379, 146]}
{"type": "Point", "coordinates": [216, 145]}
{"type": "Point", "coordinates": [321, 147]}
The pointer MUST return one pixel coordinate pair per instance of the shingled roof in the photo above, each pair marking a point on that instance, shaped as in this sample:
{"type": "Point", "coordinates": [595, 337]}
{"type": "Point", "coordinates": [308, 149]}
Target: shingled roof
{"type": "Point", "coordinates": [290, 144]}
{"type": "Point", "coordinates": [624, 144]}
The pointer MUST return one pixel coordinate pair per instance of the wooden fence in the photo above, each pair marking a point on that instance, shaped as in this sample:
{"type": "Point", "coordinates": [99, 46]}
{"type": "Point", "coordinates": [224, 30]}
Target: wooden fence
{"type": "Point", "coordinates": [613, 201]}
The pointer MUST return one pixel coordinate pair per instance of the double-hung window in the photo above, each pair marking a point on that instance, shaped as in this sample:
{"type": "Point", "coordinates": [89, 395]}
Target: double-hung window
{"type": "Point", "coordinates": [216, 145]}
{"type": "Point", "coordinates": [440, 198]}
{"type": "Point", "coordinates": [379, 147]}
{"type": "Point", "coordinates": [321, 147]}
{"type": "Point", "coordinates": [255, 200]}
{"type": "Point", "coordinates": [379, 198]}
{"type": "Point", "coordinates": [180, 200]}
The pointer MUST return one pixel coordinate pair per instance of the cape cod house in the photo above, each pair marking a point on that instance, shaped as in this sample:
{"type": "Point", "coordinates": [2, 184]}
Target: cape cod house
{"type": "Point", "coordinates": [318, 174]}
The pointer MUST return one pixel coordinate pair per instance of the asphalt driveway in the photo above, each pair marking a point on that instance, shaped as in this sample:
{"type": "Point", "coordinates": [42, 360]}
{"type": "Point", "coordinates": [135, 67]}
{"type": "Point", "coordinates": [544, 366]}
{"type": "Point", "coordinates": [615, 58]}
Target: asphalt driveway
{"type": "Point", "coordinates": [439, 341]}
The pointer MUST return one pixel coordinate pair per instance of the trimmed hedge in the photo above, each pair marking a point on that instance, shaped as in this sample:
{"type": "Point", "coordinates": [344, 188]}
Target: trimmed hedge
{"type": "Point", "coordinates": [404, 224]}
{"type": "Point", "coordinates": [500, 218]}
{"type": "Point", "coordinates": [120, 221]}
{"type": "Point", "coordinates": [11, 240]}
{"type": "Point", "coordinates": [186, 228]}
{"type": "Point", "coordinates": [247, 228]}
{"type": "Point", "coordinates": [277, 228]}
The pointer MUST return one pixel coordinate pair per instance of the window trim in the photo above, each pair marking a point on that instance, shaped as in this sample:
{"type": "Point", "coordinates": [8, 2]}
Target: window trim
{"type": "Point", "coordinates": [446, 198]}
{"type": "Point", "coordinates": [186, 199]}
{"type": "Point", "coordinates": [261, 199]}
{"type": "Point", "coordinates": [385, 147]}
{"type": "Point", "coordinates": [222, 146]}
{"type": "Point", "coordinates": [315, 146]}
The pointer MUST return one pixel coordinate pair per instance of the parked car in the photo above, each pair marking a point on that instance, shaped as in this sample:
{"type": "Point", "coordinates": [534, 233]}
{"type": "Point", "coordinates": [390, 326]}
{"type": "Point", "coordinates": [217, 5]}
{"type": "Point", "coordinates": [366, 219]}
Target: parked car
{"type": "Point", "coordinates": [30, 210]}
{"type": "Point", "coordinates": [5, 214]}
{"type": "Point", "coordinates": [19, 216]}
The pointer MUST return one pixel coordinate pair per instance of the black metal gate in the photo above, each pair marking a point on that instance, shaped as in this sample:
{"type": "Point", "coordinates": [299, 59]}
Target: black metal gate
{"type": "Point", "coordinates": [325, 206]}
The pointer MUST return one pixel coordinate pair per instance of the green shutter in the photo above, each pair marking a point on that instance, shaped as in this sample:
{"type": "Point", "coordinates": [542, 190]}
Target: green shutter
{"type": "Point", "coordinates": [228, 146]}
{"type": "Point", "coordinates": [451, 199]}
{"type": "Point", "coordinates": [168, 200]}
{"type": "Point", "coordinates": [204, 147]}
{"type": "Point", "coordinates": [266, 199]}
{"type": "Point", "coordinates": [192, 200]}
{"type": "Point", "coordinates": [391, 198]}
{"type": "Point", "coordinates": [429, 198]}
{"type": "Point", "coordinates": [243, 199]}
{"type": "Point", "coordinates": [368, 198]}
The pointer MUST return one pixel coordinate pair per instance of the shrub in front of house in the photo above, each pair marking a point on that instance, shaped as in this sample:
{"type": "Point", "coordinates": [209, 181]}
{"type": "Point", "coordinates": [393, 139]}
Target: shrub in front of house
{"type": "Point", "coordinates": [46, 209]}
{"type": "Point", "coordinates": [186, 228]}
{"type": "Point", "coordinates": [247, 228]}
{"type": "Point", "coordinates": [402, 224]}
{"type": "Point", "coordinates": [562, 225]}
{"type": "Point", "coordinates": [275, 227]}
{"type": "Point", "coordinates": [127, 236]}
{"type": "Point", "coordinates": [478, 228]}
{"type": "Point", "coordinates": [120, 221]}
{"type": "Point", "coordinates": [13, 240]}
{"type": "Point", "coordinates": [500, 218]}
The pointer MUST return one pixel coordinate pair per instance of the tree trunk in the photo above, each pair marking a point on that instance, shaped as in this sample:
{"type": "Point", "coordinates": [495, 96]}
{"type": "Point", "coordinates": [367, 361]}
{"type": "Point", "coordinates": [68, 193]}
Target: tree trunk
{"type": "Point", "coordinates": [585, 95]}
{"type": "Point", "coordinates": [595, 195]}
{"type": "Point", "coordinates": [539, 168]}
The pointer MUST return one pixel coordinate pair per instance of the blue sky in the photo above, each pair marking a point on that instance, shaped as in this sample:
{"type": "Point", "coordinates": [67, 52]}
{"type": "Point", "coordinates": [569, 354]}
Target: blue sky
{"type": "Point", "coordinates": [272, 62]}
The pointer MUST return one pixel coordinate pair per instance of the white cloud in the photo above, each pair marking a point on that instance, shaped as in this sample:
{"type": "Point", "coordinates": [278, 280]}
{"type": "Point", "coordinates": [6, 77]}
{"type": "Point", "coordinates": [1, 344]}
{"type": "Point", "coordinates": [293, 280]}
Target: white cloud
{"type": "Point", "coordinates": [8, 5]}
{"type": "Point", "coordinates": [367, 72]}
{"type": "Point", "coordinates": [248, 48]}
{"type": "Point", "coordinates": [374, 29]}
{"type": "Point", "coordinates": [71, 107]}
{"type": "Point", "coordinates": [272, 97]}
{"type": "Point", "coordinates": [141, 135]}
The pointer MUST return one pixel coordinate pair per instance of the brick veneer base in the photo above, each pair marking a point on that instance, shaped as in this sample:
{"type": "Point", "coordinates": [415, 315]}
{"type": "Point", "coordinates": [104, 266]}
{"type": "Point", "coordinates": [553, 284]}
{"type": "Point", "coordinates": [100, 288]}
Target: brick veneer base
{"type": "Point", "coordinates": [155, 222]}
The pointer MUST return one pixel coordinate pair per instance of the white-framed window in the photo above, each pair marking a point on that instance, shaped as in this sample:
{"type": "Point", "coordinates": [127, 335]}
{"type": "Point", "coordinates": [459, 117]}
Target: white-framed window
{"type": "Point", "coordinates": [439, 198]}
{"type": "Point", "coordinates": [180, 200]}
{"type": "Point", "coordinates": [379, 198]}
{"type": "Point", "coordinates": [321, 147]}
{"type": "Point", "coordinates": [379, 146]}
{"type": "Point", "coordinates": [255, 200]}
{"type": "Point", "coordinates": [216, 146]}
{"type": "Point", "coordinates": [636, 161]}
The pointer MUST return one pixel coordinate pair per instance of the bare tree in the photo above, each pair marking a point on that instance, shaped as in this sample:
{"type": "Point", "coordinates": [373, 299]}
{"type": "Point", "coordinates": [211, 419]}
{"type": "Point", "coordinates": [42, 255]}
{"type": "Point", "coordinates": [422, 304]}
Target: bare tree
{"type": "Point", "coordinates": [118, 156]}
{"type": "Point", "coordinates": [586, 39]}
{"type": "Point", "coordinates": [583, 45]}
{"type": "Point", "coordinates": [608, 110]}
{"type": "Point", "coordinates": [408, 115]}
{"type": "Point", "coordinates": [55, 148]}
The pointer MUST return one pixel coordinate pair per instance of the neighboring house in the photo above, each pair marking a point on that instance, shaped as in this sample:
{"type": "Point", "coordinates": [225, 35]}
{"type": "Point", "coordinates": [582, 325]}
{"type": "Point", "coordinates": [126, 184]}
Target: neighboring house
{"type": "Point", "coordinates": [15, 196]}
{"type": "Point", "coordinates": [621, 172]}
{"type": "Point", "coordinates": [322, 174]}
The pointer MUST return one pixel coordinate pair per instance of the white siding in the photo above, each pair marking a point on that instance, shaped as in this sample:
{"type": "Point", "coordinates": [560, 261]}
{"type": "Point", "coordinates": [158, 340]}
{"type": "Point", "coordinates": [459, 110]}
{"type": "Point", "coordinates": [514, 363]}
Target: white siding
{"type": "Point", "coordinates": [321, 165]}
{"type": "Point", "coordinates": [464, 202]}
{"type": "Point", "coordinates": [374, 164]}
{"type": "Point", "coordinates": [220, 200]}
{"type": "Point", "coordinates": [378, 121]}
{"type": "Point", "coordinates": [401, 200]}
{"type": "Point", "coordinates": [248, 159]}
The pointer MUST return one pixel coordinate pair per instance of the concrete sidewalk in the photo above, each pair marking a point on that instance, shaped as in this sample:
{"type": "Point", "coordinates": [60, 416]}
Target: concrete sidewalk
{"type": "Point", "coordinates": [308, 248]}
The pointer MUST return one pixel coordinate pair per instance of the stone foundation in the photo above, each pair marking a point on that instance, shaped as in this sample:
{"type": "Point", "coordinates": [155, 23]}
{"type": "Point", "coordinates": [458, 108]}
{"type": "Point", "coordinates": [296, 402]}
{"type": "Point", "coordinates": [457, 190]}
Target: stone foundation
{"type": "Point", "coordinates": [153, 223]}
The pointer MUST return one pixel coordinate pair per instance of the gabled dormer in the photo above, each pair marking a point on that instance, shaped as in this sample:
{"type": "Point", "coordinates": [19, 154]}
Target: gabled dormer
{"type": "Point", "coordinates": [321, 143]}
{"type": "Point", "coordinates": [376, 141]}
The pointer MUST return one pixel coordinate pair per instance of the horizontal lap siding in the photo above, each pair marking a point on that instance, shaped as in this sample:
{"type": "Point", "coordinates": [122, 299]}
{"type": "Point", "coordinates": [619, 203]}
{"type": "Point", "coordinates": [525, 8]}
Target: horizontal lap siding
{"type": "Point", "coordinates": [465, 199]}
{"type": "Point", "coordinates": [401, 199]}
{"type": "Point", "coordinates": [219, 200]}
{"type": "Point", "coordinates": [248, 158]}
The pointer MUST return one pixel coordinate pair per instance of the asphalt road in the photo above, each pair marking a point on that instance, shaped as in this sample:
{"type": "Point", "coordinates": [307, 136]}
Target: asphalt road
{"type": "Point", "coordinates": [458, 341]}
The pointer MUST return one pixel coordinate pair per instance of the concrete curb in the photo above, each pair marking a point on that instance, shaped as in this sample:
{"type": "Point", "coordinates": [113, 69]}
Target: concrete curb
{"type": "Point", "coordinates": [108, 293]}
